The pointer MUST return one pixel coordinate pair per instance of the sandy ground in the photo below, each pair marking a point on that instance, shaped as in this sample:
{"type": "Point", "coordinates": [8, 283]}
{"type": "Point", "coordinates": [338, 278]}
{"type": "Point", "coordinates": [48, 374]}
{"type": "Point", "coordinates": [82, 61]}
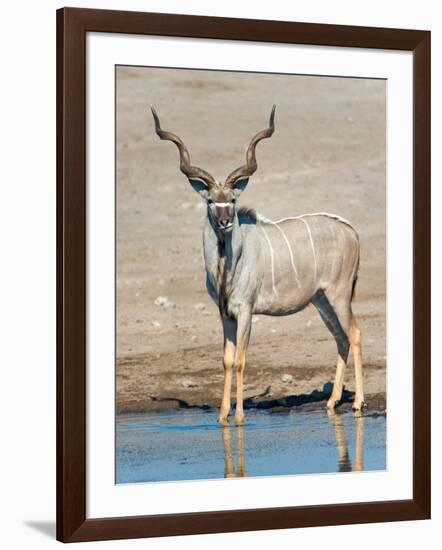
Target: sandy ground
{"type": "Point", "coordinates": [327, 154]}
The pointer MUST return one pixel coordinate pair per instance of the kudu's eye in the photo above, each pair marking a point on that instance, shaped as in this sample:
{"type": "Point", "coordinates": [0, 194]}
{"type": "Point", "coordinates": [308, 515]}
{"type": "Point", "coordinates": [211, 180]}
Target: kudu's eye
{"type": "Point", "coordinates": [233, 201]}
{"type": "Point", "coordinates": [209, 201]}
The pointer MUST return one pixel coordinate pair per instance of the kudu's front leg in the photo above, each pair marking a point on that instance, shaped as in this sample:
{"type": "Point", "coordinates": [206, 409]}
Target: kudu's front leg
{"type": "Point", "coordinates": [229, 328]}
{"type": "Point", "coordinates": [242, 341]}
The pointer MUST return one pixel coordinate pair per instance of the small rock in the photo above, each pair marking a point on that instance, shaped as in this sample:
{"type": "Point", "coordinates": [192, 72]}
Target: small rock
{"type": "Point", "coordinates": [185, 205]}
{"type": "Point", "coordinates": [188, 384]}
{"type": "Point", "coordinates": [156, 324]}
{"type": "Point", "coordinates": [199, 306]}
{"type": "Point", "coordinates": [287, 379]}
{"type": "Point", "coordinates": [273, 330]}
{"type": "Point", "coordinates": [309, 323]}
{"type": "Point", "coordinates": [193, 338]}
{"type": "Point", "coordinates": [256, 319]}
{"type": "Point", "coordinates": [164, 302]}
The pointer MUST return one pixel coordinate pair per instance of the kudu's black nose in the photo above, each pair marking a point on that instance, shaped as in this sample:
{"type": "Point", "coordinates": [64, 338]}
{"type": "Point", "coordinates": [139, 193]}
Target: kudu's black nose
{"type": "Point", "coordinates": [224, 222]}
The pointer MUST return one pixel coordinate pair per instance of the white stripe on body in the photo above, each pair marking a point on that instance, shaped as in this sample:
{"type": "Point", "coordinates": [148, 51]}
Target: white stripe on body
{"type": "Point", "coordinates": [312, 244]}
{"type": "Point", "coordinates": [263, 219]}
{"type": "Point", "coordinates": [290, 252]}
{"type": "Point", "coordinates": [271, 259]}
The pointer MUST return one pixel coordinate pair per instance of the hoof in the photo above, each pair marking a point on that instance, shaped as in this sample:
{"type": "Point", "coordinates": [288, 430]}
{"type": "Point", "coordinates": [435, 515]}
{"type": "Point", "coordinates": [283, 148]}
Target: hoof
{"type": "Point", "coordinates": [359, 406]}
{"type": "Point", "coordinates": [223, 420]}
{"type": "Point", "coordinates": [239, 420]}
{"type": "Point", "coordinates": [332, 403]}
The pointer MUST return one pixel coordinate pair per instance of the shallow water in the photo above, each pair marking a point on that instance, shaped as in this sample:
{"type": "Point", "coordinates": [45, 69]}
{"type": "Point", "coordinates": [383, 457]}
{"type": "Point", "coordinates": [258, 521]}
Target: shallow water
{"type": "Point", "coordinates": [188, 445]}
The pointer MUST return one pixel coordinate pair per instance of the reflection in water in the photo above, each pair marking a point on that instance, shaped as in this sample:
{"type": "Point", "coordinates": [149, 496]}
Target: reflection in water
{"type": "Point", "coordinates": [344, 460]}
{"type": "Point", "coordinates": [229, 470]}
{"type": "Point", "coordinates": [345, 464]}
{"type": "Point", "coordinates": [188, 445]}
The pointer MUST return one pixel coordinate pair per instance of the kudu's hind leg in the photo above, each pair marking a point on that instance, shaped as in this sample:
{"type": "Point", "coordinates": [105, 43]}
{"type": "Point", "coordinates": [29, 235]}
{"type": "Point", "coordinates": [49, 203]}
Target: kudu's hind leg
{"type": "Point", "coordinates": [356, 348]}
{"type": "Point", "coordinates": [242, 342]}
{"type": "Point", "coordinates": [229, 328]}
{"type": "Point", "coordinates": [337, 319]}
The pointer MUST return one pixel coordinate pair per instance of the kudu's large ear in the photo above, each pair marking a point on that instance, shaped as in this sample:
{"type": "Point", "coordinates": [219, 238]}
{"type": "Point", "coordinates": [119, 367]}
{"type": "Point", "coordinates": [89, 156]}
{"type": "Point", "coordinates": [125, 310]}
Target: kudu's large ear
{"type": "Point", "coordinates": [239, 185]}
{"type": "Point", "coordinates": [200, 186]}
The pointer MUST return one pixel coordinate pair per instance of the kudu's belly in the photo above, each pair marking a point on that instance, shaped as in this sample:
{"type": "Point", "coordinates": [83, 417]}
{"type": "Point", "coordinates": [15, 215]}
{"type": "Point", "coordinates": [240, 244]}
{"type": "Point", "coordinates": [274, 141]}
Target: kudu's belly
{"type": "Point", "coordinates": [283, 298]}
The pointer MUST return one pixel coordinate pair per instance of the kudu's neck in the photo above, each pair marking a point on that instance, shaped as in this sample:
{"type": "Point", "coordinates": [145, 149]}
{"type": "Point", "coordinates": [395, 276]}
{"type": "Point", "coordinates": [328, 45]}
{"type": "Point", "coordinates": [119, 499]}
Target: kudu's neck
{"type": "Point", "coordinates": [228, 243]}
{"type": "Point", "coordinates": [222, 257]}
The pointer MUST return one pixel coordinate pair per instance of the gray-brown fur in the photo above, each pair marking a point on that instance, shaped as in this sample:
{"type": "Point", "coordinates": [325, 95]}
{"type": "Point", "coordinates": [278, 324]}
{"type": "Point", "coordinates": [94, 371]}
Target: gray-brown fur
{"type": "Point", "coordinates": [257, 266]}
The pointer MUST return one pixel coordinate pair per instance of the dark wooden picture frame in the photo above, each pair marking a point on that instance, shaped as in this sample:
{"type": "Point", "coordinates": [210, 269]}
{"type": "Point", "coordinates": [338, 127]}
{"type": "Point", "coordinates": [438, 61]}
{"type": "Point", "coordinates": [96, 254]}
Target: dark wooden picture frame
{"type": "Point", "coordinates": [72, 26]}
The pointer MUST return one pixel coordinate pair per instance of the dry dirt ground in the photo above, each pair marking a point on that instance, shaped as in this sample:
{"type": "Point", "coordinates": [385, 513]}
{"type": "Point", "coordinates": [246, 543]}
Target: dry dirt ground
{"type": "Point", "coordinates": [327, 154]}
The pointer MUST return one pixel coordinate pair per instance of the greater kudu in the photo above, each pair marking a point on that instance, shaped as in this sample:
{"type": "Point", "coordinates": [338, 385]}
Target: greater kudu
{"type": "Point", "coordinates": [258, 266]}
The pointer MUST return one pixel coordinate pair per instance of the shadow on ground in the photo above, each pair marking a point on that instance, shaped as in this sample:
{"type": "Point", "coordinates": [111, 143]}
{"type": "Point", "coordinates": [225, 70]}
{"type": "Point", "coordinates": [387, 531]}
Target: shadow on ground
{"type": "Point", "coordinates": [260, 402]}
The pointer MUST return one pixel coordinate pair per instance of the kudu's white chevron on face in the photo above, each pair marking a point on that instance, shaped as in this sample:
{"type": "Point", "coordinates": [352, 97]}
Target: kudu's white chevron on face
{"type": "Point", "coordinates": [255, 266]}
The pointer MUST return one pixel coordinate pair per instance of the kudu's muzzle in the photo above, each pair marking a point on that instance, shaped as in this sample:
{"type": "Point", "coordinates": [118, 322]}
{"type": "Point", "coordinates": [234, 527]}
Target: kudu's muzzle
{"type": "Point", "coordinates": [224, 216]}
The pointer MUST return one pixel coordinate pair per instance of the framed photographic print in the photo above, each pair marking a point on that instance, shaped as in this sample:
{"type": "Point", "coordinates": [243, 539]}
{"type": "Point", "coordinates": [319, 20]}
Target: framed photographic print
{"type": "Point", "coordinates": [243, 274]}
